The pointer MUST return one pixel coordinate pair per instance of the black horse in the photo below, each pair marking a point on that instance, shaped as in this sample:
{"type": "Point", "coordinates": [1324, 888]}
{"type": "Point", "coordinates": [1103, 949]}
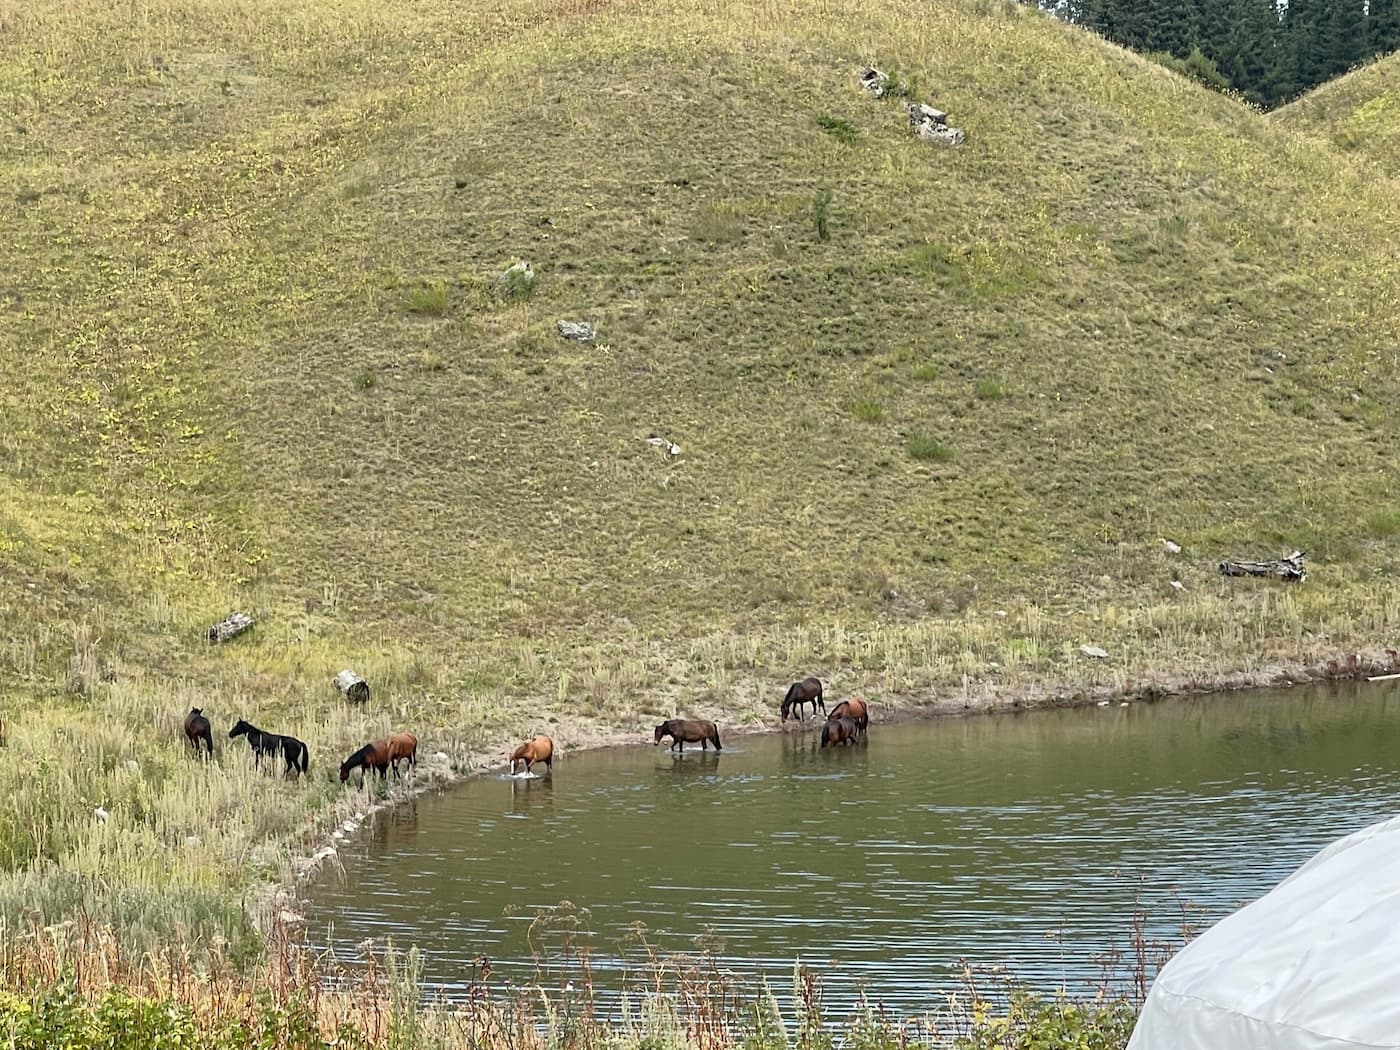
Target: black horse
{"type": "Point", "coordinates": [197, 729]}
{"type": "Point", "coordinates": [294, 753]}
{"type": "Point", "coordinates": [807, 691]}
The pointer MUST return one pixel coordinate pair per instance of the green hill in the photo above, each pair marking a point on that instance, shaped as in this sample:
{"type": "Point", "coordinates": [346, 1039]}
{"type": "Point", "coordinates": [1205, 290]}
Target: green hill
{"type": "Point", "coordinates": [1360, 113]}
{"type": "Point", "coordinates": [257, 356]}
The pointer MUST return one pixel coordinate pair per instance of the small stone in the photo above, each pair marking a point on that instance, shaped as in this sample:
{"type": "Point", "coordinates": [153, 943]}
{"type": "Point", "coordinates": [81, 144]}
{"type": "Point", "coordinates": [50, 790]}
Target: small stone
{"type": "Point", "coordinates": [1093, 651]}
{"type": "Point", "coordinates": [1102, 703]}
{"type": "Point", "coordinates": [1123, 704]}
{"type": "Point", "coordinates": [1177, 585]}
{"type": "Point", "coordinates": [875, 82]}
{"type": "Point", "coordinates": [1170, 547]}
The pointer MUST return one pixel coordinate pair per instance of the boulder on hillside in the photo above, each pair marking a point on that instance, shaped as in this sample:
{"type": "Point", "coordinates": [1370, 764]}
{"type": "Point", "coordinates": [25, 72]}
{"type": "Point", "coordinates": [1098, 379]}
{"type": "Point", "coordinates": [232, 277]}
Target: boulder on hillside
{"type": "Point", "coordinates": [578, 331]}
{"type": "Point", "coordinates": [931, 125]}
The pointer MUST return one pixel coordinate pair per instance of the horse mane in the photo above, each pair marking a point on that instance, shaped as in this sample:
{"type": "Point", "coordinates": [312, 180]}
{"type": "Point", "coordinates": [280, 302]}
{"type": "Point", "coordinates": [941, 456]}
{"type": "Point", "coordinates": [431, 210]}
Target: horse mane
{"type": "Point", "coordinates": [358, 756]}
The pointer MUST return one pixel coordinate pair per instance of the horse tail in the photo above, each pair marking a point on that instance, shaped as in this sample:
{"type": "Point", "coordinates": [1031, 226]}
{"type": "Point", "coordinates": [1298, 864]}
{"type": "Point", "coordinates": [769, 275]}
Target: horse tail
{"type": "Point", "coordinates": [826, 733]}
{"type": "Point", "coordinates": [305, 759]}
{"type": "Point", "coordinates": [718, 745]}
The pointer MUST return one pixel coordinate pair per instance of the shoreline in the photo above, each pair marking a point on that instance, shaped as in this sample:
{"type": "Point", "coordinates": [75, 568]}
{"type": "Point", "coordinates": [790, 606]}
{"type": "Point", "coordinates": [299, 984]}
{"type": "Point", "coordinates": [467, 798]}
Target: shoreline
{"type": "Point", "coordinates": [277, 904]}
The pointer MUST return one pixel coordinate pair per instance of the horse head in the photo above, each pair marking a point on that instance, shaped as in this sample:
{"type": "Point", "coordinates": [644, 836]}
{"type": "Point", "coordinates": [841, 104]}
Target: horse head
{"type": "Point", "coordinates": [660, 731]}
{"type": "Point", "coordinates": [239, 727]}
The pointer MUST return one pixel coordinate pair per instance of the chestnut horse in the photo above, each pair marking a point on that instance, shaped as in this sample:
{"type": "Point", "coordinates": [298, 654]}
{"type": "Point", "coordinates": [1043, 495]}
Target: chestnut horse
{"type": "Point", "coordinates": [684, 731]}
{"type": "Point", "coordinates": [197, 729]}
{"type": "Point", "coordinates": [840, 730]}
{"type": "Point", "coordinates": [538, 749]}
{"type": "Point", "coordinates": [807, 691]}
{"type": "Point", "coordinates": [379, 755]}
{"type": "Point", "coordinates": [855, 709]}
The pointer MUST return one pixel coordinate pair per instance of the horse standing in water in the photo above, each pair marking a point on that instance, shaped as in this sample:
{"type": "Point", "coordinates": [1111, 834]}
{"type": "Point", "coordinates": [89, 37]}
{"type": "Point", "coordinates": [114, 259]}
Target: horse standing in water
{"type": "Point", "coordinates": [684, 731]}
{"type": "Point", "coordinates": [294, 753]}
{"type": "Point", "coordinates": [379, 755]}
{"type": "Point", "coordinates": [197, 729]}
{"type": "Point", "coordinates": [839, 730]}
{"type": "Point", "coordinates": [539, 749]}
{"type": "Point", "coordinates": [855, 709]}
{"type": "Point", "coordinates": [807, 691]}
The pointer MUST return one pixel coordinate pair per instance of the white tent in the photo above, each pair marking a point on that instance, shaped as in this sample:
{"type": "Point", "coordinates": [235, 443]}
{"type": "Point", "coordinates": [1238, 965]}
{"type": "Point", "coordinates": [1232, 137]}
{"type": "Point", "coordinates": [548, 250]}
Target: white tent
{"type": "Point", "coordinates": [1314, 964]}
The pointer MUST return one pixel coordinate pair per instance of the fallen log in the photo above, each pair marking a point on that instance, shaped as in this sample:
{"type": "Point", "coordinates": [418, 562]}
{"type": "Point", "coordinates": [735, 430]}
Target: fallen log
{"type": "Point", "coordinates": [230, 627]}
{"type": "Point", "coordinates": [354, 688]}
{"type": "Point", "coordinates": [1289, 568]}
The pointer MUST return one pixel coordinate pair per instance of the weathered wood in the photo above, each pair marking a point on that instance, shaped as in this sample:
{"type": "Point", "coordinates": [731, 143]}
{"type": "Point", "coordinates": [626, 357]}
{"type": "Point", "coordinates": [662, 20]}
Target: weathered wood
{"type": "Point", "coordinates": [352, 686]}
{"type": "Point", "coordinates": [230, 627]}
{"type": "Point", "coordinates": [1289, 568]}
{"type": "Point", "coordinates": [1382, 677]}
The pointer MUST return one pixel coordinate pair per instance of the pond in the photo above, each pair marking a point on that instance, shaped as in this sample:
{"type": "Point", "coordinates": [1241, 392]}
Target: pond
{"type": "Point", "coordinates": [1020, 840]}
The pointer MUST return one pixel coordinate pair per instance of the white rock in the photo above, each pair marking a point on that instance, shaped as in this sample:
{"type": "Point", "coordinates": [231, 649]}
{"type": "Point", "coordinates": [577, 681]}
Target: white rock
{"type": "Point", "coordinates": [1170, 547]}
{"type": "Point", "coordinates": [1177, 585]}
{"type": "Point", "coordinates": [1102, 703]}
{"type": "Point", "coordinates": [101, 814]}
{"type": "Point", "coordinates": [1093, 651]}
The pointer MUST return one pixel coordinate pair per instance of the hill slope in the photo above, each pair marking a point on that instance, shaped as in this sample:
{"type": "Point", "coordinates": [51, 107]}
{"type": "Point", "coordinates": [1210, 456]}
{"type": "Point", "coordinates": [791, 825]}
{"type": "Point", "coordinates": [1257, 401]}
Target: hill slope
{"type": "Point", "coordinates": [1359, 113]}
{"type": "Point", "coordinates": [257, 356]}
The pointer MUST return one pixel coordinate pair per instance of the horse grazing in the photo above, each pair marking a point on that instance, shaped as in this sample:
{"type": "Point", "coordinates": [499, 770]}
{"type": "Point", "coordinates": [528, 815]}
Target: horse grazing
{"type": "Point", "coordinates": [839, 730]}
{"type": "Point", "coordinates": [684, 731]}
{"type": "Point", "coordinates": [295, 754]}
{"type": "Point", "coordinates": [197, 729]}
{"type": "Point", "coordinates": [539, 749]}
{"type": "Point", "coordinates": [807, 691]}
{"type": "Point", "coordinates": [379, 755]}
{"type": "Point", "coordinates": [855, 709]}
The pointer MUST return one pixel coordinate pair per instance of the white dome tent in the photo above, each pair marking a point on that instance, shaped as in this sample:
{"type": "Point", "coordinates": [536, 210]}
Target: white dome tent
{"type": "Point", "coordinates": [1314, 964]}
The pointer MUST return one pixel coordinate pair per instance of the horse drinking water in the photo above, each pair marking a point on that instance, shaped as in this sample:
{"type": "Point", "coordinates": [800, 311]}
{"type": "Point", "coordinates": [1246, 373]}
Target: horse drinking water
{"type": "Point", "coordinates": [295, 754]}
{"type": "Point", "coordinates": [684, 731]}
{"type": "Point", "coordinates": [807, 691]}
{"type": "Point", "coordinates": [539, 749]}
{"type": "Point", "coordinates": [839, 730]}
{"type": "Point", "coordinates": [379, 755]}
{"type": "Point", "coordinates": [197, 729]}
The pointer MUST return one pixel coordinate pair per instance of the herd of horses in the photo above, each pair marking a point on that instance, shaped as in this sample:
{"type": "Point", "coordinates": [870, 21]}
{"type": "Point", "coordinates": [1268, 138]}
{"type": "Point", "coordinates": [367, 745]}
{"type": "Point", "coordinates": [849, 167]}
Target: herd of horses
{"type": "Point", "coordinates": [378, 755]}
{"type": "Point", "coordinates": [845, 724]}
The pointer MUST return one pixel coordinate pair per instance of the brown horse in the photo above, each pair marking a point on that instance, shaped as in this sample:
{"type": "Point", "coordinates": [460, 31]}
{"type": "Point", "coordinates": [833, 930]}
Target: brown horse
{"type": "Point", "coordinates": [855, 709]}
{"type": "Point", "coordinates": [684, 731]}
{"type": "Point", "coordinates": [839, 730]}
{"type": "Point", "coordinates": [379, 755]}
{"type": "Point", "coordinates": [197, 729]}
{"type": "Point", "coordinates": [807, 691]}
{"type": "Point", "coordinates": [538, 749]}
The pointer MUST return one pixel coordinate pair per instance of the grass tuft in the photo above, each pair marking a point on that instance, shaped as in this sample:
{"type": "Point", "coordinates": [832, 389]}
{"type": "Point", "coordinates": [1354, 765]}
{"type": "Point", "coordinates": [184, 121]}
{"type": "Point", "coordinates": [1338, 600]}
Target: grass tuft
{"type": "Point", "coordinates": [922, 446]}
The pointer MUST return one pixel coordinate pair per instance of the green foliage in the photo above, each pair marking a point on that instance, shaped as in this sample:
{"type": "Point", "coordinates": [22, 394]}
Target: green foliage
{"type": "Point", "coordinates": [842, 131]}
{"type": "Point", "coordinates": [923, 446]}
{"type": "Point", "coordinates": [1031, 1023]}
{"type": "Point", "coordinates": [925, 372]}
{"type": "Point", "coordinates": [867, 409]}
{"type": "Point", "coordinates": [1383, 524]}
{"type": "Point", "coordinates": [428, 297]}
{"type": "Point", "coordinates": [989, 389]}
{"type": "Point", "coordinates": [1195, 65]}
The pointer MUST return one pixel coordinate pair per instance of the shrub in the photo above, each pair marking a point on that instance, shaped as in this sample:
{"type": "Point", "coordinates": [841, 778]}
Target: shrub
{"type": "Point", "coordinates": [922, 446]}
{"type": "Point", "coordinates": [990, 390]}
{"type": "Point", "coordinates": [428, 297]}
{"type": "Point", "coordinates": [868, 410]}
{"type": "Point", "coordinates": [842, 131]}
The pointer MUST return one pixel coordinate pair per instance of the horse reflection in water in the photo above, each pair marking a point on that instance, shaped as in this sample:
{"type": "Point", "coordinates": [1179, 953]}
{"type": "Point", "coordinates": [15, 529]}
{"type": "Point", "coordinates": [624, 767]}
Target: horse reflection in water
{"type": "Point", "coordinates": [531, 796]}
{"type": "Point", "coordinates": [395, 828]}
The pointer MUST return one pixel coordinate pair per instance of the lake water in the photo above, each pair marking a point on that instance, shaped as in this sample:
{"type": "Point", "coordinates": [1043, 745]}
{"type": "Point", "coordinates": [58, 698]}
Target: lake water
{"type": "Point", "coordinates": [1020, 840]}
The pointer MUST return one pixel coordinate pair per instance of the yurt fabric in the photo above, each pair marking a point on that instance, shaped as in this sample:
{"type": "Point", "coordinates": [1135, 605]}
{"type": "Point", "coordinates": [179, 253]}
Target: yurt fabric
{"type": "Point", "coordinates": [1314, 964]}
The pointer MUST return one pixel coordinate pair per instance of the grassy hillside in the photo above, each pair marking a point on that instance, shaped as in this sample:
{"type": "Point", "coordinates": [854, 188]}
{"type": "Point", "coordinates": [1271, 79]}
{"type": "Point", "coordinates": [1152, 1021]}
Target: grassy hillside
{"type": "Point", "coordinates": [256, 356]}
{"type": "Point", "coordinates": [1358, 113]}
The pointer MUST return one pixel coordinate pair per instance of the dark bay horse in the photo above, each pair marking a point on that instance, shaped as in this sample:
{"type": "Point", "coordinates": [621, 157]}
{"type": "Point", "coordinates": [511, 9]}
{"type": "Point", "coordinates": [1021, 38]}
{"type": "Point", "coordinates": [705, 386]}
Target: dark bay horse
{"type": "Point", "coordinates": [379, 755]}
{"type": "Point", "coordinates": [855, 709]}
{"type": "Point", "coordinates": [539, 749]}
{"type": "Point", "coordinates": [684, 731]}
{"type": "Point", "coordinates": [839, 730]}
{"type": "Point", "coordinates": [295, 754]}
{"type": "Point", "coordinates": [197, 729]}
{"type": "Point", "coordinates": [807, 691]}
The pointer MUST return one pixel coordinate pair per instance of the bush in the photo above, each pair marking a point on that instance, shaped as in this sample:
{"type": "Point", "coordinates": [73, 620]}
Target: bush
{"type": "Point", "coordinates": [990, 390]}
{"type": "Point", "coordinates": [821, 207]}
{"type": "Point", "coordinates": [428, 297]}
{"type": "Point", "coordinates": [921, 446]}
{"type": "Point", "coordinates": [842, 131]}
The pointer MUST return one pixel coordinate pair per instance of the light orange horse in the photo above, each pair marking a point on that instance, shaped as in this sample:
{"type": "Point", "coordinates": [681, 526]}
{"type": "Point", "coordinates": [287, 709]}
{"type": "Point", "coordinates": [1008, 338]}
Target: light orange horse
{"type": "Point", "coordinates": [539, 749]}
{"type": "Point", "coordinates": [855, 709]}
